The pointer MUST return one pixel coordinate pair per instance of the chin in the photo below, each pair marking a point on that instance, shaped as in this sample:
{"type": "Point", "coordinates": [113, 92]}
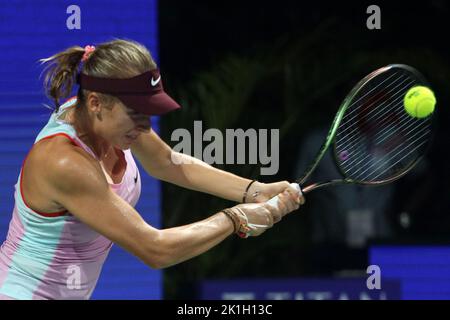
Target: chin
{"type": "Point", "coordinates": [122, 146]}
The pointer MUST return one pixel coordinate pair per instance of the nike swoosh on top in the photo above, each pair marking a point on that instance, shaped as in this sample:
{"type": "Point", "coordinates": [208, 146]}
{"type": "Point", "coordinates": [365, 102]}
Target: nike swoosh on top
{"type": "Point", "coordinates": [155, 82]}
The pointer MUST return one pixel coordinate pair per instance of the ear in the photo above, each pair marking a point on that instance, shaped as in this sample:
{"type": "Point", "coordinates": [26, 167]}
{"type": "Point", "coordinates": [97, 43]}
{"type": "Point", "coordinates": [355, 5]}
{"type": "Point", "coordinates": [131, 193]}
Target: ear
{"type": "Point", "coordinates": [93, 103]}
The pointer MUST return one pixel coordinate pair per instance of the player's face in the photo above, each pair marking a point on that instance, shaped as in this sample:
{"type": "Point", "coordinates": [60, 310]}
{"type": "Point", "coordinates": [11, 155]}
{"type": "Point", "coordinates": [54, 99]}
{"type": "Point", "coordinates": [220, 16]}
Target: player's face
{"type": "Point", "coordinates": [123, 125]}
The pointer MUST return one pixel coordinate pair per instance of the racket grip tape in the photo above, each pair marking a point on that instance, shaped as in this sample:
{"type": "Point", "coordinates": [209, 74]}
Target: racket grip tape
{"type": "Point", "coordinates": [274, 201]}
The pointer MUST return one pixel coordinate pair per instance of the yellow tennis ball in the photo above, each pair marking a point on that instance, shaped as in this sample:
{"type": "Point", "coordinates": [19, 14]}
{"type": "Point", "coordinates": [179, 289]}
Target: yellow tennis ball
{"type": "Point", "coordinates": [419, 102]}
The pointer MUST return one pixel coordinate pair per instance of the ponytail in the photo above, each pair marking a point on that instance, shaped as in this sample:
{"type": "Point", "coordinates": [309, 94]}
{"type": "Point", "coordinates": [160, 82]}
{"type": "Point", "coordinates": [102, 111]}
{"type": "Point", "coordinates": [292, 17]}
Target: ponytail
{"type": "Point", "coordinates": [61, 72]}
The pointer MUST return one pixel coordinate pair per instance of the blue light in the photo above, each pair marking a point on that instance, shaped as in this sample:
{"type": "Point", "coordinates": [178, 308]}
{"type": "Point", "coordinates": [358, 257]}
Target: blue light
{"type": "Point", "coordinates": [424, 271]}
{"type": "Point", "coordinates": [31, 30]}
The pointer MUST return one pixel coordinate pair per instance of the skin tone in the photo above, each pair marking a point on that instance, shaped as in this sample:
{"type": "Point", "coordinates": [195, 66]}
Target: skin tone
{"type": "Point", "coordinates": [109, 126]}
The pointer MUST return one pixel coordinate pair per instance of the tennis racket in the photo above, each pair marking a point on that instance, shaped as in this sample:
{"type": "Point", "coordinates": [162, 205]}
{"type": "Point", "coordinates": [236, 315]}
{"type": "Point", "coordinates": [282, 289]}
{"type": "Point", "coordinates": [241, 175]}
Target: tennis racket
{"type": "Point", "coordinates": [373, 140]}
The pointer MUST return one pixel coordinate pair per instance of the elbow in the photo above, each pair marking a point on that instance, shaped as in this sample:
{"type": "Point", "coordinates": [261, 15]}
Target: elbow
{"type": "Point", "coordinates": [153, 262]}
{"type": "Point", "coordinates": [157, 254]}
{"type": "Point", "coordinates": [158, 262]}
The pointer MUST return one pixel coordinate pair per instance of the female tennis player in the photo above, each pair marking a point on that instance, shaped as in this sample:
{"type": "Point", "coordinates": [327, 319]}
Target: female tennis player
{"type": "Point", "coordinates": [79, 183]}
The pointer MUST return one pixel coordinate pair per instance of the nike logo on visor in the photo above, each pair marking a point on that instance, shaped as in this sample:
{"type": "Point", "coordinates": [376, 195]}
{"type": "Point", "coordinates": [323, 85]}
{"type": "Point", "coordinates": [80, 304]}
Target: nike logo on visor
{"type": "Point", "coordinates": [155, 82]}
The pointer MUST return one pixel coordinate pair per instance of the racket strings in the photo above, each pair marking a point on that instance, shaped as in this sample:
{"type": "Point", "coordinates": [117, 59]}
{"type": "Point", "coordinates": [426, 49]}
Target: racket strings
{"type": "Point", "coordinates": [364, 156]}
{"type": "Point", "coordinates": [387, 132]}
{"type": "Point", "coordinates": [377, 139]}
{"type": "Point", "coordinates": [353, 109]}
{"type": "Point", "coordinates": [380, 133]}
{"type": "Point", "coordinates": [402, 151]}
{"type": "Point", "coordinates": [350, 137]}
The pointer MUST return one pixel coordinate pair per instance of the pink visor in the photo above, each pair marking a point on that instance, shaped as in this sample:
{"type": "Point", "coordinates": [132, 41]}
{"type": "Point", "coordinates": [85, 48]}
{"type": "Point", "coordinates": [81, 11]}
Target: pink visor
{"type": "Point", "coordinates": [143, 93]}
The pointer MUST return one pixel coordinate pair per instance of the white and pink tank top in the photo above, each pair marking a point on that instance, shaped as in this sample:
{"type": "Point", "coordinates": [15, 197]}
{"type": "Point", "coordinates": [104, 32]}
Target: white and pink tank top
{"type": "Point", "coordinates": [54, 255]}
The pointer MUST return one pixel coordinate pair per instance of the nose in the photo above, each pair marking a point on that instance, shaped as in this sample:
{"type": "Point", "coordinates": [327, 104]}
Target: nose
{"type": "Point", "coordinates": [144, 129]}
{"type": "Point", "coordinates": [143, 125]}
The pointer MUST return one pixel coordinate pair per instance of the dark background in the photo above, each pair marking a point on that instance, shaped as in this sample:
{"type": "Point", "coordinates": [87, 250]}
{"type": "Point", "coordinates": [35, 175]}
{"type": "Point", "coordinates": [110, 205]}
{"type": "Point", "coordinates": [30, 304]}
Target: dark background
{"type": "Point", "coordinates": [315, 51]}
{"type": "Point", "coordinates": [196, 35]}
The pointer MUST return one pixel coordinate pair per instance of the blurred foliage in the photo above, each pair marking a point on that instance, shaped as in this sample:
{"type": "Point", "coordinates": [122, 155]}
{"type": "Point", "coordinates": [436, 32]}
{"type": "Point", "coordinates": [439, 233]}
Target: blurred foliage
{"type": "Point", "coordinates": [295, 84]}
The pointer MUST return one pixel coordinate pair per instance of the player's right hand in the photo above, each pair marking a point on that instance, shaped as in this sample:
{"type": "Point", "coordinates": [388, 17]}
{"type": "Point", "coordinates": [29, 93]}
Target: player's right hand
{"type": "Point", "coordinates": [262, 216]}
{"type": "Point", "coordinates": [288, 201]}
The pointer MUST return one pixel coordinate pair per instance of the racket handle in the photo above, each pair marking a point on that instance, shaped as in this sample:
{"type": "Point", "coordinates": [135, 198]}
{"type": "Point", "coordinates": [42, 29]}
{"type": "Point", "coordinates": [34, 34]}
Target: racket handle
{"type": "Point", "coordinates": [274, 201]}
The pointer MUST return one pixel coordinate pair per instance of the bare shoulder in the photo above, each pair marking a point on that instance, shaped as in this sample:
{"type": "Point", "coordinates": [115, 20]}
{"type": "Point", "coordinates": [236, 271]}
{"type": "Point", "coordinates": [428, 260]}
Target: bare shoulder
{"type": "Point", "coordinates": [67, 166]}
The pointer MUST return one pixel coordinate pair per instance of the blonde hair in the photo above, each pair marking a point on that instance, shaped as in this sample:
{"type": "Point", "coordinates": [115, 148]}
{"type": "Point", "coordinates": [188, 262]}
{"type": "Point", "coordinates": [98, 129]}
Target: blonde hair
{"type": "Point", "coordinates": [114, 59]}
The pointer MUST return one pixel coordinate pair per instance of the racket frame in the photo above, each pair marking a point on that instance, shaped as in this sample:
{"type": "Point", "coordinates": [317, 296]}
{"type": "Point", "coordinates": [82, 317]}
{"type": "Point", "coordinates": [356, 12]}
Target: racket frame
{"type": "Point", "coordinates": [330, 139]}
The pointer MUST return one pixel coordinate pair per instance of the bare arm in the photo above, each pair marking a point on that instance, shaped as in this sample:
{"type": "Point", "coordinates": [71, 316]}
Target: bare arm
{"type": "Point", "coordinates": [160, 161]}
{"type": "Point", "coordinates": [78, 184]}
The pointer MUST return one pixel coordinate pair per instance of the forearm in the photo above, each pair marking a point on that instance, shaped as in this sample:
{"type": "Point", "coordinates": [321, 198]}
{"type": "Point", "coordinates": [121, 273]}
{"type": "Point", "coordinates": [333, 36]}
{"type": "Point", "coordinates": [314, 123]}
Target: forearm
{"type": "Point", "coordinates": [191, 173]}
{"type": "Point", "coordinates": [160, 161]}
{"type": "Point", "coordinates": [185, 242]}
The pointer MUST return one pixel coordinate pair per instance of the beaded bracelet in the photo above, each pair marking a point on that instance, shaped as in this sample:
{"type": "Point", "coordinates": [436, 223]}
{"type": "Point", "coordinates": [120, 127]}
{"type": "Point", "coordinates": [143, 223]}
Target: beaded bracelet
{"type": "Point", "coordinates": [231, 217]}
{"type": "Point", "coordinates": [240, 222]}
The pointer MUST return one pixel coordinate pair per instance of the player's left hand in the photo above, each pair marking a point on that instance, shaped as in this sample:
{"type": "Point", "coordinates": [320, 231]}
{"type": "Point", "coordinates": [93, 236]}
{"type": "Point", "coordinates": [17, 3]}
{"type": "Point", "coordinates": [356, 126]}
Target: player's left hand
{"type": "Point", "coordinates": [261, 192]}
